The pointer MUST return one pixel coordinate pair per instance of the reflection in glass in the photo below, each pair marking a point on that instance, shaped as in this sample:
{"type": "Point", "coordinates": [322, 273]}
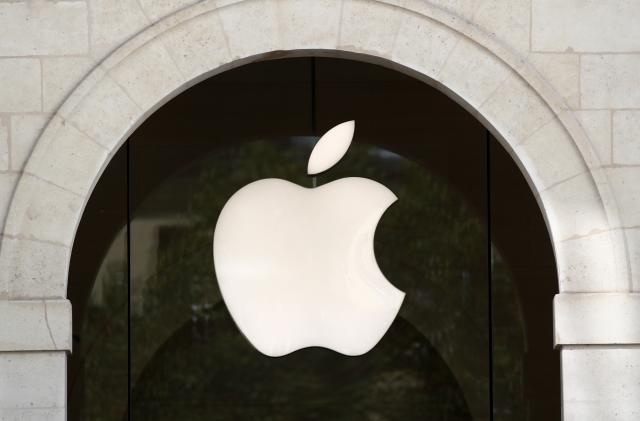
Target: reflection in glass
{"type": "Point", "coordinates": [98, 290]}
{"type": "Point", "coordinates": [189, 360]}
{"type": "Point", "coordinates": [429, 244]}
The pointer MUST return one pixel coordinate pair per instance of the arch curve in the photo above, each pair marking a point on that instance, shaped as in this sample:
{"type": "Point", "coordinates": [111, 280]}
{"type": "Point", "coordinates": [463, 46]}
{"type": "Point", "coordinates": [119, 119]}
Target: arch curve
{"type": "Point", "coordinates": [454, 55]}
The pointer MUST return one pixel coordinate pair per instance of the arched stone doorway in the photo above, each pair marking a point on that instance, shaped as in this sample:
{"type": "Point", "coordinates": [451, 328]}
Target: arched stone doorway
{"type": "Point", "coordinates": [485, 76]}
{"type": "Point", "coordinates": [257, 121]}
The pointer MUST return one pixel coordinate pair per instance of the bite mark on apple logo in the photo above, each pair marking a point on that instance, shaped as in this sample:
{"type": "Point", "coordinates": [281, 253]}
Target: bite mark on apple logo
{"type": "Point", "coordinates": [296, 266]}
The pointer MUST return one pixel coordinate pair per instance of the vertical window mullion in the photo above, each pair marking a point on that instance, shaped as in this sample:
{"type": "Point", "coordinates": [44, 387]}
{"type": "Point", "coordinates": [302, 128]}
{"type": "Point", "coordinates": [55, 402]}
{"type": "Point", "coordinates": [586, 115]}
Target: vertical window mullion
{"type": "Point", "coordinates": [129, 296]}
{"type": "Point", "coordinates": [489, 267]}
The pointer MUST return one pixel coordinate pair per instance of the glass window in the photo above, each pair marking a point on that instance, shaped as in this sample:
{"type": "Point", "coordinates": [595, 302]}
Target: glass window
{"type": "Point", "coordinates": [157, 340]}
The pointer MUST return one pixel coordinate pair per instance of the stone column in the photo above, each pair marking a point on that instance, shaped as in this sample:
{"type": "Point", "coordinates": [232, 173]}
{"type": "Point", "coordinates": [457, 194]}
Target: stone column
{"type": "Point", "coordinates": [35, 336]}
{"type": "Point", "coordinates": [598, 335]}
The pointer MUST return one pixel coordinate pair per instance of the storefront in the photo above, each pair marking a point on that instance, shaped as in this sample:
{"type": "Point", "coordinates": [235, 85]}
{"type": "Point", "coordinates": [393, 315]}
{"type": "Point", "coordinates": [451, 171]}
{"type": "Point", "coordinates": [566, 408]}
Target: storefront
{"type": "Point", "coordinates": [511, 236]}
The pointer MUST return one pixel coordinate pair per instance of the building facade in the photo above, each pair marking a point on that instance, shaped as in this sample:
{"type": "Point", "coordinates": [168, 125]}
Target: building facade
{"type": "Point", "coordinates": [557, 83]}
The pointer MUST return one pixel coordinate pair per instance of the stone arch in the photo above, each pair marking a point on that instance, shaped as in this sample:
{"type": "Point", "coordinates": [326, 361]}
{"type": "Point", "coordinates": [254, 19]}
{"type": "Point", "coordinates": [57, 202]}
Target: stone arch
{"type": "Point", "coordinates": [452, 54]}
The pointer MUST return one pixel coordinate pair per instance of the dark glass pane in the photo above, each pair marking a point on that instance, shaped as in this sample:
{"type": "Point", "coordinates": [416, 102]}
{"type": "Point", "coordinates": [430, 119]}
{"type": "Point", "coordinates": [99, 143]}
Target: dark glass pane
{"type": "Point", "coordinates": [189, 358]}
{"type": "Point", "coordinates": [525, 365]}
{"type": "Point", "coordinates": [97, 380]}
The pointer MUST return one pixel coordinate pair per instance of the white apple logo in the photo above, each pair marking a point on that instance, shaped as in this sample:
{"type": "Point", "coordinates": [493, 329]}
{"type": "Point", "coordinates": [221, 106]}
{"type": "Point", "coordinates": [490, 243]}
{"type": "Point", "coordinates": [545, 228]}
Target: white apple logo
{"type": "Point", "coordinates": [296, 266]}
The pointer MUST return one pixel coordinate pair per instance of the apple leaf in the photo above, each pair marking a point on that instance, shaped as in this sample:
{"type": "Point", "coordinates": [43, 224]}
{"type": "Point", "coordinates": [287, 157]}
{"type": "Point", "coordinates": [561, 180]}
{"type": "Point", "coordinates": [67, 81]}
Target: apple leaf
{"type": "Point", "coordinates": [331, 147]}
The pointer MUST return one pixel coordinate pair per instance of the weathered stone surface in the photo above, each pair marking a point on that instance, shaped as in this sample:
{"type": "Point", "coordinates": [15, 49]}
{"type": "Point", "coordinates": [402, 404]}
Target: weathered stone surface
{"type": "Point", "coordinates": [601, 383]}
{"type": "Point", "coordinates": [105, 128]}
{"type": "Point", "coordinates": [597, 124]}
{"type": "Point", "coordinates": [43, 211]}
{"type": "Point", "coordinates": [309, 24]}
{"type": "Point", "coordinates": [198, 47]}
{"type": "Point", "coordinates": [20, 88]}
{"type": "Point", "coordinates": [599, 319]}
{"type": "Point", "coordinates": [66, 158]}
{"type": "Point", "coordinates": [33, 380]}
{"type": "Point", "coordinates": [25, 129]}
{"type": "Point", "coordinates": [33, 269]}
{"type": "Point", "coordinates": [626, 137]}
{"type": "Point", "coordinates": [464, 8]}
{"type": "Point", "coordinates": [488, 73]}
{"type": "Point", "coordinates": [625, 182]}
{"type": "Point", "coordinates": [633, 242]}
{"type": "Point", "coordinates": [563, 72]}
{"type": "Point", "coordinates": [250, 27]}
{"type": "Point", "coordinates": [4, 144]}
{"type": "Point", "coordinates": [550, 154]}
{"type": "Point", "coordinates": [7, 185]}
{"type": "Point", "coordinates": [47, 322]}
{"type": "Point", "coordinates": [112, 23]}
{"type": "Point", "coordinates": [59, 76]}
{"type": "Point", "coordinates": [610, 81]}
{"type": "Point", "coordinates": [37, 414]}
{"type": "Point", "coordinates": [157, 9]}
{"type": "Point", "coordinates": [585, 26]}
{"type": "Point", "coordinates": [368, 29]}
{"type": "Point", "coordinates": [507, 21]}
{"type": "Point", "coordinates": [423, 45]}
{"type": "Point", "coordinates": [148, 75]}
{"type": "Point", "coordinates": [516, 110]}
{"type": "Point", "coordinates": [43, 27]}
{"type": "Point", "coordinates": [589, 264]}
{"type": "Point", "coordinates": [573, 206]}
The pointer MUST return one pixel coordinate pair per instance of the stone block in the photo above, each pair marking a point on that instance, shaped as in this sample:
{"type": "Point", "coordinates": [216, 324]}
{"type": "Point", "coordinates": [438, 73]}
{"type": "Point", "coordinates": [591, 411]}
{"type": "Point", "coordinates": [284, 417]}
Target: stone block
{"type": "Point", "coordinates": [47, 322]}
{"type": "Point", "coordinates": [516, 110]}
{"type": "Point", "coordinates": [597, 125]}
{"type": "Point", "coordinates": [423, 45]}
{"type": "Point", "coordinates": [106, 128]}
{"type": "Point", "coordinates": [33, 269]}
{"type": "Point", "coordinates": [308, 25]}
{"type": "Point", "coordinates": [625, 182]}
{"type": "Point", "coordinates": [626, 137]}
{"type": "Point", "coordinates": [251, 27]}
{"type": "Point", "coordinates": [157, 9]}
{"type": "Point", "coordinates": [25, 130]}
{"type": "Point", "coordinates": [37, 414]}
{"type": "Point", "coordinates": [198, 46]}
{"type": "Point", "coordinates": [43, 211]}
{"type": "Point", "coordinates": [591, 319]}
{"type": "Point", "coordinates": [149, 76]}
{"type": "Point", "coordinates": [601, 383]}
{"type": "Point", "coordinates": [368, 29]}
{"type": "Point", "coordinates": [590, 264]}
{"type": "Point", "coordinates": [464, 8]}
{"type": "Point", "coordinates": [8, 182]}
{"type": "Point", "coordinates": [507, 21]}
{"type": "Point", "coordinates": [4, 144]}
{"type": "Point", "coordinates": [585, 26]}
{"type": "Point", "coordinates": [563, 73]}
{"type": "Point", "coordinates": [43, 27]}
{"type": "Point", "coordinates": [20, 90]}
{"type": "Point", "coordinates": [112, 23]}
{"type": "Point", "coordinates": [472, 74]}
{"type": "Point", "coordinates": [610, 81]}
{"type": "Point", "coordinates": [633, 248]}
{"type": "Point", "coordinates": [574, 207]}
{"type": "Point", "coordinates": [33, 380]}
{"type": "Point", "coordinates": [69, 159]}
{"type": "Point", "coordinates": [59, 76]}
{"type": "Point", "coordinates": [550, 155]}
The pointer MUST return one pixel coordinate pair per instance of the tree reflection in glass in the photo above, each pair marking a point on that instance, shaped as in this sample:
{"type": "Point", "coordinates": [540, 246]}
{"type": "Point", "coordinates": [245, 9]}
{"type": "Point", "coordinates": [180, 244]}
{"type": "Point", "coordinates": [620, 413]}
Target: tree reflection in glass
{"type": "Point", "coordinates": [190, 361]}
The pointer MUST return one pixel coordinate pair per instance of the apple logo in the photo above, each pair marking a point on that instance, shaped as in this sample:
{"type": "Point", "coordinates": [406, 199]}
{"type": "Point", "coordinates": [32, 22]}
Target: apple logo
{"type": "Point", "coordinates": [296, 266]}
